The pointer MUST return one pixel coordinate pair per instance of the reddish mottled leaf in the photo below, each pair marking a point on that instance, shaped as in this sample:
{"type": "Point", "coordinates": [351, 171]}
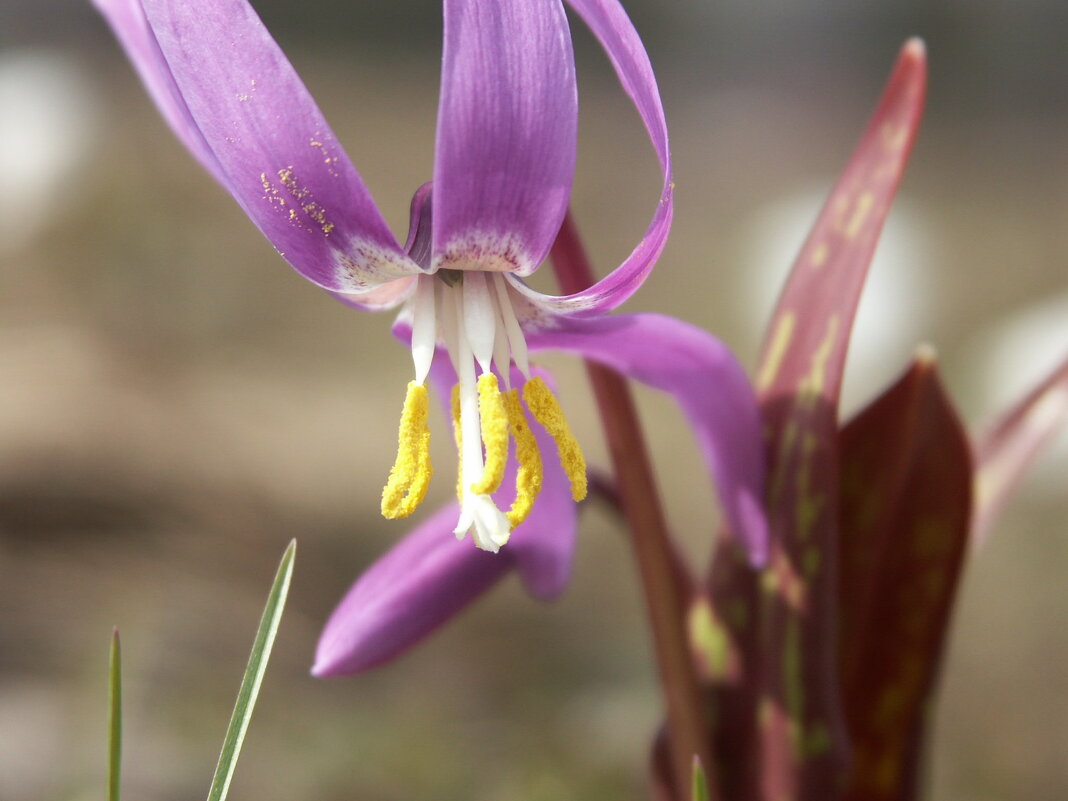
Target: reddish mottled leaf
{"type": "Point", "coordinates": [788, 694]}
{"type": "Point", "coordinates": [661, 770]}
{"type": "Point", "coordinates": [1012, 443]}
{"type": "Point", "coordinates": [904, 512]}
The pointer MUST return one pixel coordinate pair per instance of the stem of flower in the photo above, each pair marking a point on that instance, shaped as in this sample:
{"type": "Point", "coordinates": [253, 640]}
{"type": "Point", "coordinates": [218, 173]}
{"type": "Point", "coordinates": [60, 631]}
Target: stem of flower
{"type": "Point", "coordinates": [688, 726]}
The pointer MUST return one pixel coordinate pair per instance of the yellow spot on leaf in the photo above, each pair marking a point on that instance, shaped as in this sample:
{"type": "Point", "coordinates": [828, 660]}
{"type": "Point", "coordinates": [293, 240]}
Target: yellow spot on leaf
{"type": "Point", "coordinates": [808, 512]}
{"type": "Point", "coordinates": [812, 385]}
{"type": "Point", "coordinates": [766, 710]}
{"type": "Point", "coordinates": [865, 203]}
{"type": "Point", "coordinates": [780, 339]}
{"type": "Point", "coordinates": [893, 136]}
{"type": "Point", "coordinates": [817, 740]}
{"type": "Point", "coordinates": [793, 675]}
{"type": "Point", "coordinates": [934, 539]}
{"type": "Point", "coordinates": [886, 771]}
{"type": "Point", "coordinates": [819, 255]}
{"type": "Point", "coordinates": [709, 639]}
{"type": "Point", "coordinates": [779, 477]}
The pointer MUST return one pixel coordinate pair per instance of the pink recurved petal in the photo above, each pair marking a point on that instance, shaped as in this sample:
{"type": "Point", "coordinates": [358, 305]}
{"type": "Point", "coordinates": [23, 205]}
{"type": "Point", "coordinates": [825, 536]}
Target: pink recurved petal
{"type": "Point", "coordinates": [430, 576]}
{"type": "Point", "coordinates": [420, 583]}
{"type": "Point", "coordinates": [393, 293]}
{"type": "Point", "coordinates": [387, 296]}
{"type": "Point", "coordinates": [276, 154]}
{"type": "Point", "coordinates": [612, 27]}
{"type": "Point", "coordinates": [506, 134]}
{"type": "Point", "coordinates": [127, 21]}
{"type": "Point", "coordinates": [710, 387]}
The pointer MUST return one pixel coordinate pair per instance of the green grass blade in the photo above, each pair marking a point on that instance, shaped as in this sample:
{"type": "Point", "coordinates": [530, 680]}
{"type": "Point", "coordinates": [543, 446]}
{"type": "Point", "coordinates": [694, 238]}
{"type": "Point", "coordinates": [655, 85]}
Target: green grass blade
{"type": "Point", "coordinates": [700, 782]}
{"type": "Point", "coordinates": [114, 716]}
{"type": "Point", "coordinates": [250, 684]}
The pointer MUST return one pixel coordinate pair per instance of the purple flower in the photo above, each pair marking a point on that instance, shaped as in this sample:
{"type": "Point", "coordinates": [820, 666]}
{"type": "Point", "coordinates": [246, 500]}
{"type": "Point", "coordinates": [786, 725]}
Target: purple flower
{"type": "Point", "coordinates": [505, 154]}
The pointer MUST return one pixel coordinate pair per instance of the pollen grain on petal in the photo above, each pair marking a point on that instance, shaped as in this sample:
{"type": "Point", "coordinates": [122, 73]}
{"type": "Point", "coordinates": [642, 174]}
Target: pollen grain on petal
{"type": "Point", "coordinates": [493, 421]}
{"type": "Point", "coordinates": [529, 476]}
{"type": "Point", "coordinates": [410, 476]}
{"type": "Point", "coordinates": [301, 195]}
{"type": "Point", "coordinates": [546, 410]}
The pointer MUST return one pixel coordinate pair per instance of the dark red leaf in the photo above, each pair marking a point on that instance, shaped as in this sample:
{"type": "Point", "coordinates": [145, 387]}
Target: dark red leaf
{"type": "Point", "coordinates": [904, 512]}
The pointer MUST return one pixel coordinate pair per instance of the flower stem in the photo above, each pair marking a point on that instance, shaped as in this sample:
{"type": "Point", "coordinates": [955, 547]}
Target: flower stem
{"type": "Point", "coordinates": [657, 562]}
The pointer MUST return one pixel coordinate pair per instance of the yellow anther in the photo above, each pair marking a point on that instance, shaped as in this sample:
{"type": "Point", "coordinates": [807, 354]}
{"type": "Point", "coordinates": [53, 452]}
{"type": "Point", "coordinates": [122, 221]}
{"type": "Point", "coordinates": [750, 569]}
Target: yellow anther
{"type": "Point", "coordinates": [528, 478]}
{"type": "Point", "coordinates": [493, 420]}
{"type": "Point", "coordinates": [458, 435]}
{"type": "Point", "coordinates": [410, 476]}
{"type": "Point", "coordinates": [546, 410]}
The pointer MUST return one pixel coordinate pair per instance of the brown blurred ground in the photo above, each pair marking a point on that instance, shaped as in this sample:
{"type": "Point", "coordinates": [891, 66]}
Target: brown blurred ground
{"type": "Point", "coordinates": [176, 404]}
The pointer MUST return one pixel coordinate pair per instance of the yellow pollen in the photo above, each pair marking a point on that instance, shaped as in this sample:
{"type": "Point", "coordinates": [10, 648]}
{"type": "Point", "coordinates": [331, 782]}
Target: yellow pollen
{"type": "Point", "coordinates": [528, 478]}
{"type": "Point", "coordinates": [546, 410]}
{"type": "Point", "coordinates": [493, 420]}
{"type": "Point", "coordinates": [457, 432]}
{"type": "Point", "coordinates": [410, 476]}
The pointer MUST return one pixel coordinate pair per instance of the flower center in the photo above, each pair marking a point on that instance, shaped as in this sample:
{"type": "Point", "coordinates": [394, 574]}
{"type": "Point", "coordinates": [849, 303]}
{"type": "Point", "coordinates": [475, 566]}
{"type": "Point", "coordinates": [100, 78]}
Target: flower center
{"type": "Point", "coordinates": [471, 313]}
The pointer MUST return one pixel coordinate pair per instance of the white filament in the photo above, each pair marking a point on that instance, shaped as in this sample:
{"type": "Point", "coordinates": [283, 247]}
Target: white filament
{"type": "Point", "coordinates": [476, 322]}
{"type": "Point", "coordinates": [424, 327]}
{"type": "Point", "coordinates": [516, 341]}
{"type": "Point", "coordinates": [479, 318]}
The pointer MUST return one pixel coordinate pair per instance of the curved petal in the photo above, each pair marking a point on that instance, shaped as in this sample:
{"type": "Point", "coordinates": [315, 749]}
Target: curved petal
{"type": "Point", "coordinates": [127, 21]}
{"type": "Point", "coordinates": [276, 153]}
{"type": "Point", "coordinates": [612, 27]}
{"type": "Point", "coordinates": [381, 298]}
{"type": "Point", "coordinates": [392, 294]}
{"type": "Point", "coordinates": [506, 138]}
{"type": "Point", "coordinates": [421, 582]}
{"type": "Point", "coordinates": [710, 387]}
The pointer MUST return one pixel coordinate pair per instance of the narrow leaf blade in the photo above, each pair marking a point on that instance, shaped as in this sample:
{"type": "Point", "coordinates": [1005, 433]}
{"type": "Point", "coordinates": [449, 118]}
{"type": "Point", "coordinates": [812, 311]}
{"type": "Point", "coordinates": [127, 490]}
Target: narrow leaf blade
{"type": "Point", "coordinates": [114, 716]}
{"type": "Point", "coordinates": [1005, 452]}
{"type": "Point", "coordinates": [699, 791]}
{"type": "Point", "coordinates": [250, 683]}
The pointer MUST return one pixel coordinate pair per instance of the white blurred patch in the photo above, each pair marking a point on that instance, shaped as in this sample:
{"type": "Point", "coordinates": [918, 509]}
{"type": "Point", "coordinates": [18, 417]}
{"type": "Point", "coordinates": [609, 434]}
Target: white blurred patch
{"type": "Point", "coordinates": [893, 308]}
{"type": "Point", "coordinates": [1012, 356]}
{"type": "Point", "coordinates": [47, 126]}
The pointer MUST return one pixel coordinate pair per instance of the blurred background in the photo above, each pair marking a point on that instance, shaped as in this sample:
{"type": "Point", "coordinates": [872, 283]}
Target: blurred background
{"type": "Point", "coordinates": [176, 403]}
